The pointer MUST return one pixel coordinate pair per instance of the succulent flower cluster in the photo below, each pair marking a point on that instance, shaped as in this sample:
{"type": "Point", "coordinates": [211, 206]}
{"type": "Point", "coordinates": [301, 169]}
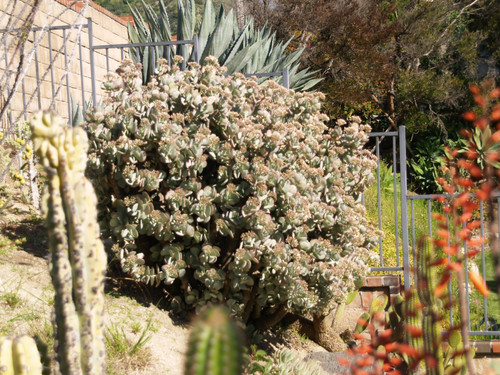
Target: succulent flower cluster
{"type": "Point", "coordinates": [226, 190]}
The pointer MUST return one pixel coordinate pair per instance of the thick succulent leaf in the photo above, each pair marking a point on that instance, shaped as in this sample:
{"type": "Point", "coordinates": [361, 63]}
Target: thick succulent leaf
{"type": "Point", "coordinates": [207, 24]}
{"type": "Point", "coordinates": [242, 58]}
{"type": "Point", "coordinates": [164, 21]}
{"type": "Point", "coordinates": [236, 46]}
{"type": "Point", "coordinates": [186, 19]}
{"type": "Point", "coordinates": [220, 38]}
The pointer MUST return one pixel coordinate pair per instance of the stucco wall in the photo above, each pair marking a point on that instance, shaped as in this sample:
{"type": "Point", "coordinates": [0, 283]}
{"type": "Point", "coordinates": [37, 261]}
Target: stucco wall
{"type": "Point", "coordinates": [106, 29]}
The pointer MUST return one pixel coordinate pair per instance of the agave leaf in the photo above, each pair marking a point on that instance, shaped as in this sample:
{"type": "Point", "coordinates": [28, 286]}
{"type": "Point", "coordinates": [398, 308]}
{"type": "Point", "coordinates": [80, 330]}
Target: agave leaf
{"type": "Point", "coordinates": [220, 38]}
{"type": "Point", "coordinates": [207, 24]}
{"type": "Point", "coordinates": [186, 19]}
{"type": "Point", "coordinates": [242, 58]}
{"type": "Point", "coordinates": [164, 22]}
{"type": "Point", "coordinates": [236, 46]}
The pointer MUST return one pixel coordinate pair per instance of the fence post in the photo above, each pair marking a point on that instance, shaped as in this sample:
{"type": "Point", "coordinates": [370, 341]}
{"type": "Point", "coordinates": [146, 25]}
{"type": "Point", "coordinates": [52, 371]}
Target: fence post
{"type": "Point", "coordinates": [404, 206]}
{"type": "Point", "coordinates": [286, 78]}
{"type": "Point", "coordinates": [91, 61]}
{"type": "Point", "coordinates": [195, 48]}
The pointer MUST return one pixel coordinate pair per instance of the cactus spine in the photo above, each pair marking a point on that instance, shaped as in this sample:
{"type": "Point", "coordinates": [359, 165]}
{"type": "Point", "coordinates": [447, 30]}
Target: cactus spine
{"type": "Point", "coordinates": [426, 281]}
{"type": "Point", "coordinates": [78, 260]}
{"type": "Point", "coordinates": [215, 346]}
{"type": "Point", "coordinates": [19, 356]}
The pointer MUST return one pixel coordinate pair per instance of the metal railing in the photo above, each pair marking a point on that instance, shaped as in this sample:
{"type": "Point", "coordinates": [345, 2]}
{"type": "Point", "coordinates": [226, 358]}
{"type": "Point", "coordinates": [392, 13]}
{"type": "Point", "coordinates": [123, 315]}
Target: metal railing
{"type": "Point", "coordinates": [407, 231]}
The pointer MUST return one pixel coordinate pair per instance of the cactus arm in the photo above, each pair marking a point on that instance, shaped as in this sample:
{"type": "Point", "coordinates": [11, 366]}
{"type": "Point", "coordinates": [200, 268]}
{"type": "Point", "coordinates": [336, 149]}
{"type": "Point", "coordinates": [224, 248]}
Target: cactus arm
{"type": "Point", "coordinates": [78, 258]}
{"type": "Point", "coordinates": [19, 356]}
{"type": "Point", "coordinates": [215, 346]}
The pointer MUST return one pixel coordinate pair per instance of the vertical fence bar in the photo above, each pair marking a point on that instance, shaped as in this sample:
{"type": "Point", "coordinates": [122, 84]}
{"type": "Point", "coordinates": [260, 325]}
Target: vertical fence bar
{"type": "Point", "coordinates": [153, 59]}
{"type": "Point", "coordinates": [404, 207]}
{"type": "Point", "coordinates": [183, 54]}
{"type": "Point", "coordinates": [429, 217]}
{"type": "Point", "coordinates": [107, 60]}
{"type": "Point", "coordinates": [169, 55]}
{"type": "Point", "coordinates": [68, 94]}
{"type": "Point", "coordinates": [467, 286]}
{"type": "Point", "coordinates": [413, 242]}
{"type": "Point", "coordinates": [51, 65]}
{"type": "Point", "coordinates": [483, 264]}
{"type": "Point", "coordinates": [286, 78]}
{"type": "Point", "coordinates": [7, 82]}
{"type": "Point", "coordinates": [395, 187]}
{"type": "Point", "coordinates": [450, 296]}
{"type": "Point", "coordinates": [37, 74]}
{"type": "Point", "coordinates": [82, 79]}
{"type": "Point", "coordinates": [195, 49]}
{"type": "Point", "coordinates": [379, 203]}
{"type": "Point", "coordinates": [91, 59]}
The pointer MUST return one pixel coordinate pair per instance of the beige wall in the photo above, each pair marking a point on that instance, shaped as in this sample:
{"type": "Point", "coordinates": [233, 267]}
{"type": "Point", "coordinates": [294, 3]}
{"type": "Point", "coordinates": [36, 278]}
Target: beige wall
{"type": "Point", "coordinates": [106, 28]}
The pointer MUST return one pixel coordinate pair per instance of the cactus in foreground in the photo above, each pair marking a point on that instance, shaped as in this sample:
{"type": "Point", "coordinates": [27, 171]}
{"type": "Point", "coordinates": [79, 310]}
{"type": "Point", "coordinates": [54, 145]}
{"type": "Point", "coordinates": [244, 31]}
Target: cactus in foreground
{"type": "Point", "coordinates": [19, 356]}
{"type": "Point", "coordinates": [431, 315]}
{"type": "Point", "coordinates": [215, 346]}
{"type": "Point", "coordinates": [78, 260]}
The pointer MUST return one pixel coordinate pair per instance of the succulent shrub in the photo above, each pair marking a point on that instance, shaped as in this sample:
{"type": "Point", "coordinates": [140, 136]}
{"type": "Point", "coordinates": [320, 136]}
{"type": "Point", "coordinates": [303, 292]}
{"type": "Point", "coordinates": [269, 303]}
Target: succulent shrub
{"type": "Point", "coordinates": [246, 50]}
{"type": "Point", "coordinates": [222, 189]}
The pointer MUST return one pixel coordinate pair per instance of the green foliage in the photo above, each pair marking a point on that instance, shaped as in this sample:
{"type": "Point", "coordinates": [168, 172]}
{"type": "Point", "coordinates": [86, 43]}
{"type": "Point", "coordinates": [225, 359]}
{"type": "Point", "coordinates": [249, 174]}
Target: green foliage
{"type": "Point", "coordinates": [119, 347]}
{"type": "Point", "coordinates": [215, 345]}
{"type": "Point", "coordinates": [246, 50]}
{"type": "Point", "coordinates": [225, 190]}
{"type": "Point", "coordinates": [426, 163]}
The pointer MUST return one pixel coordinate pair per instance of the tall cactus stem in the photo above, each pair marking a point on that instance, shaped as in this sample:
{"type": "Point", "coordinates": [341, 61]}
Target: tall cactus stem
{"type": "Point", "coordinates": [427, 282]}
{"type": "Point", "coordinates": [78, 260]}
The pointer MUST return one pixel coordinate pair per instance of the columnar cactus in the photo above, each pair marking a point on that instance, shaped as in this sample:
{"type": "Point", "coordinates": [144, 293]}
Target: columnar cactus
{"type": "Point", "coordinates": [431, 308]}
{"type": "Point", "coordinates": [222, 189]}
{"type": "Point", "coordinates": [78, 260]}
{"type": "Point", "coordinates": [19, 356]}
{"type": "Point", "coordinates": [215, 346]}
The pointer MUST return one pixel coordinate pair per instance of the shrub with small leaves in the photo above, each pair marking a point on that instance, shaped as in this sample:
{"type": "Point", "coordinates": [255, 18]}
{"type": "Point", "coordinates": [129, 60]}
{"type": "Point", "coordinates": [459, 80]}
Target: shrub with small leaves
{"type": "Point", "coordinates": [222, 189]}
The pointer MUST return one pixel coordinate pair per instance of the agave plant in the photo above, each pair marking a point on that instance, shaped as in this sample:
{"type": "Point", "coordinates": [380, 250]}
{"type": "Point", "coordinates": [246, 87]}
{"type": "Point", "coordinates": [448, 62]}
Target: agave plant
{"type": "Point", "coordinates": [247, 50]}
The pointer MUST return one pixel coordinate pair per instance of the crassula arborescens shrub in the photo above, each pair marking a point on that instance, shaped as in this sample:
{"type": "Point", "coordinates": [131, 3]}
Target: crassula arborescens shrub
{"type": "Point", "coordinates": [224, 190]}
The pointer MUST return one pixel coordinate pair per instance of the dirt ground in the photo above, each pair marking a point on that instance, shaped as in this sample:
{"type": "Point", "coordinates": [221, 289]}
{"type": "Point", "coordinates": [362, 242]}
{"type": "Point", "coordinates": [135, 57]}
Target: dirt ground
{"type": "Point", "coordinates": [26, 301]}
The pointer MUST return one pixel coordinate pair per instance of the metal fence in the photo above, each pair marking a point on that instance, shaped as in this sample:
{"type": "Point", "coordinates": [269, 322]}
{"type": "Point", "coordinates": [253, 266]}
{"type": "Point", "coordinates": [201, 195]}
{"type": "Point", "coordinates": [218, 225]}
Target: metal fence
{"type": "Point", "coordinates": [412, 218]}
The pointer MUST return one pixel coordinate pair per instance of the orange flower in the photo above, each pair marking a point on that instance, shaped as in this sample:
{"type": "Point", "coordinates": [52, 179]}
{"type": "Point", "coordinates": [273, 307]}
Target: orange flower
{"type": "Point", "coordinates": [469, 116]}
{"type": "Point", "coordinates": [443, 233]}
{"type": "Point", "coordinates": [414, 330]}
{"type": "Point", "coordinates": [479, 283]}
{"type": "Point", "coordinates": [473, 224]}
{"type": "Point", "coordinates": [475, 242]}
{"type": "Point", "coordinates": [450, 250]}
{"type": "Point", "coordinates": [464, 234]}
{"type": "Point", "coordinates": [442, 285]}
